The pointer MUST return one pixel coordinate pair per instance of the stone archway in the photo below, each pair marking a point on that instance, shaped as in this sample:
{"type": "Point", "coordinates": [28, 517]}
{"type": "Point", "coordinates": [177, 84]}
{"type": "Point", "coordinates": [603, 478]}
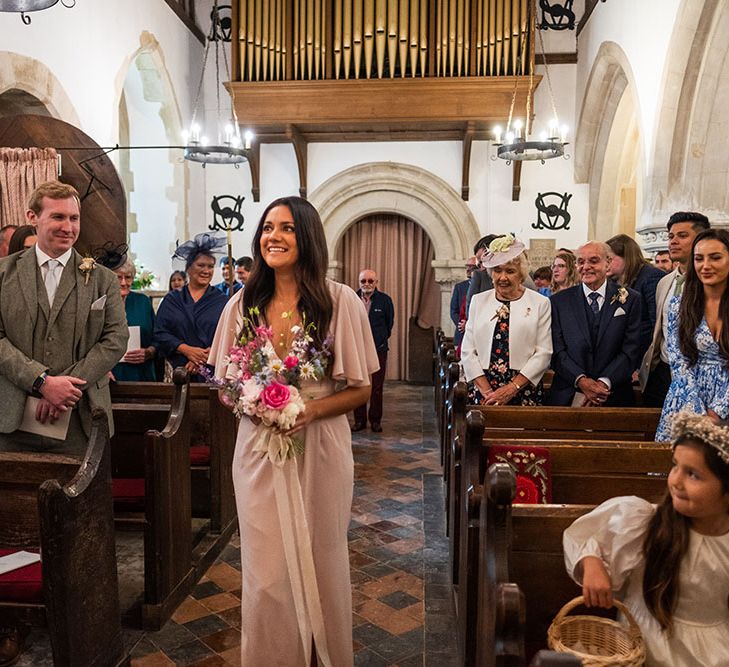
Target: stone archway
{"type": "Point", "coordinates": [390, 187]}
{"type": "Point", "coordinates": [690, 161]}
{"type": "Point", "coordinates": [28, 75]}
{"type": "Point", "coordinates": [155, 181]}
{"type": "Point", "coordinates": [607, 145]}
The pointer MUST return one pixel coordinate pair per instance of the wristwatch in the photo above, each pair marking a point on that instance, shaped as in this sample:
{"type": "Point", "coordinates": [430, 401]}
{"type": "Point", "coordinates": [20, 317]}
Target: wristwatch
{"type": "Point", "coordinates": [39, 382]}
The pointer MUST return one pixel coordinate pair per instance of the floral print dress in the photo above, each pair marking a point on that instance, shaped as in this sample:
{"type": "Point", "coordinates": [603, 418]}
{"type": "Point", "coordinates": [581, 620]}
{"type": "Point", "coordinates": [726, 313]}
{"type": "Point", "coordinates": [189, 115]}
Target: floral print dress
{"type": "Point", "coordinates": [499, 373]}
{"type": "Point", "coordinates": [698, 388]}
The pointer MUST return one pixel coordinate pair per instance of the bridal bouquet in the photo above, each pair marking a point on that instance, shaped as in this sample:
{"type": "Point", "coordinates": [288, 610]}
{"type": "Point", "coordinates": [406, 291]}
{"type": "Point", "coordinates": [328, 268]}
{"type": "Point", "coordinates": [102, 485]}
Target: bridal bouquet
{"type": "Point", "coordinates": [260, 385]}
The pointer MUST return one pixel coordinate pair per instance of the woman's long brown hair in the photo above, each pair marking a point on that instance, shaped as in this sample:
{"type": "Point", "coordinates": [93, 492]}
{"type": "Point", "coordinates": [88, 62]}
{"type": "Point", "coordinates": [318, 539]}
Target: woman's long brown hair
{"type": "Point", "coordinates": [315, 300]}
{"type": "Point", "coordinates": [625, 247]}
{"type": "Point", "coordinates": [693, 302]}
{"type": "Point", "coordinates": [667, 541]}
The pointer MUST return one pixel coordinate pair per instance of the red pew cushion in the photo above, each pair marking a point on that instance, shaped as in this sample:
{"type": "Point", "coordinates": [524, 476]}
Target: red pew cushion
{"type": "Point", "coordinates": [24, 585]}
{"type": "Point", "coordinates": [532, 467]}
{"type": "Point", "coordinates": [200, 455]}
{"type": "Point", "coordinates": [128, 494]}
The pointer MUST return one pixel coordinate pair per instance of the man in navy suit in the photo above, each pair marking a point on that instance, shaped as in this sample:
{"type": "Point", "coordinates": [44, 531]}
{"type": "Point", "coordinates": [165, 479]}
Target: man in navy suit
{"type": "Point", "coordinates": [458, 302]}
{"type": "Point", "coordinates": [381, 313]}
{"type": "Point", "coordinates": [595, 336]}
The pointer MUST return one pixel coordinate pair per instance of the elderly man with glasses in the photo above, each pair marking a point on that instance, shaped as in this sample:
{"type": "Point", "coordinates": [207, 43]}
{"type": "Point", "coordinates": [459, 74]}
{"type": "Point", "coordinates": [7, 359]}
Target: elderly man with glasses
{"type": "Point", "coordinates": [381, 313]}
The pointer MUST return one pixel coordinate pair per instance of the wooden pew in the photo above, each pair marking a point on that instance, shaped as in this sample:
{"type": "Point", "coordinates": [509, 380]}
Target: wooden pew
{"type": "Point", "coordinates": [537, 564]}
{"type": "Point", "coordinates": [152, 443]}
{"type": "Point", "coordinates": [212, 425]}
{"type": "Point", "coordinates": [445, 356]}
{"type": "Point", "coordinates": [588, 471]}
{"type": "Point", "coordinates": [502, 621]}
{"type": "Point", "coordinates": [53, 503]}
{"type": "Point", "coordinates": [507, 423]}
{"type": "Point", "coordinates": [445, 429]}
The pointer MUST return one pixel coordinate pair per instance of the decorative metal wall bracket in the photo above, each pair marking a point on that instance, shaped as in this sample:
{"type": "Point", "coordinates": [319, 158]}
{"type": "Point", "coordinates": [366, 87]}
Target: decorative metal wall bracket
{"type": "Point", "coordinates": [557, 16]}
{"type": "Point", "coordinates": [226, 214]}
{"type": "Point", "coordinates": [552, 216]}
{"type": "Point", "coordinates": [222, 26]}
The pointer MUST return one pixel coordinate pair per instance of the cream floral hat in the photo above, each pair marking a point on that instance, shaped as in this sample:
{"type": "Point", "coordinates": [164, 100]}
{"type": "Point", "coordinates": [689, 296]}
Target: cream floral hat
{"type": "Point", "coordinates": [501, 250]}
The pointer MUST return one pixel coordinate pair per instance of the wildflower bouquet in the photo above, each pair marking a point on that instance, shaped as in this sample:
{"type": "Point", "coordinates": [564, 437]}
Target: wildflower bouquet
{"type": "Point", "coordinates": [260, 385]}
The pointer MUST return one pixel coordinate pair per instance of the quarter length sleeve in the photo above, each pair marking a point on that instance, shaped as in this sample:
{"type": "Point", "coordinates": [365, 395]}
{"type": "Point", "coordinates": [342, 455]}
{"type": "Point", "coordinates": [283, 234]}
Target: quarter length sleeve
{"type": "Point", "coordinates": [354, 352]}
{"type": "Point", "coordinates": [229, 326]}
{"type": "Point", "coordinates": [613, 532]}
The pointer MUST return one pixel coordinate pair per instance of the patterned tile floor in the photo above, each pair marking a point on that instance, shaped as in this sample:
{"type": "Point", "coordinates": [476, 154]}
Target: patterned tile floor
{"type": "Point", "coordinates": [402, 603]}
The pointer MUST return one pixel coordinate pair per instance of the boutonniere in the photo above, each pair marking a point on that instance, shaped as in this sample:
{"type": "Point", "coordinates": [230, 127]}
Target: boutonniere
{"type": "Point", "coordinates": [502, 312]}
{"type": "Point", "coordinates": [621, 296]}
{"type": "Point", "coordinates": [88, 264]}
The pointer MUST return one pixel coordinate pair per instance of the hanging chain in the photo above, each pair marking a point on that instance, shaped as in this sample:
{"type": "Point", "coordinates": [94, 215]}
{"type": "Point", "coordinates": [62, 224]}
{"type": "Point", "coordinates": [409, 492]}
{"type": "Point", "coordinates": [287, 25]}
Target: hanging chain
{"type": "Point", "coordinates": [236, 129]}
{"type": "Point", "coordinates": [200, 83]}
{"type": "Point", "coordinates": [516, 86]}
{"type": "Point", "coordinates": [549, 80]}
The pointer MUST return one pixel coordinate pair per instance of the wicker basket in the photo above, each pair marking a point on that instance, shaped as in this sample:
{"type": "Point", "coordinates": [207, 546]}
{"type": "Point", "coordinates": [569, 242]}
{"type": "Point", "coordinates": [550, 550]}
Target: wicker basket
{"type": "Point", "coordinates": [598, 642]}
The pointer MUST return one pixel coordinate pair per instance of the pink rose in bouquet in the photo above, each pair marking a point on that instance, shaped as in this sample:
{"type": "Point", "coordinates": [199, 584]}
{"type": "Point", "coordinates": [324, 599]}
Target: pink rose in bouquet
{"type": "Point", "coordinates": [291, 362]}
{"type": "Point", "coordinates": [275, 396]}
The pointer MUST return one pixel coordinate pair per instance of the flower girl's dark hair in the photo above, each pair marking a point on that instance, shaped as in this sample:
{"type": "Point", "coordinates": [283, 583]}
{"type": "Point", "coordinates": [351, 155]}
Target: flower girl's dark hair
{"type": "Point", "coordinates": [667, 537]}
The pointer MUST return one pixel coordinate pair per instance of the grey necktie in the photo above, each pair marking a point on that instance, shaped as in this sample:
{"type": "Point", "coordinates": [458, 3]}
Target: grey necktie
{"type": "Point", "coordinates": [594, 296]}
{"type": "Point", "coordinates": [51, 279]}
{"type": "Point", "coordinates": [680, 280]}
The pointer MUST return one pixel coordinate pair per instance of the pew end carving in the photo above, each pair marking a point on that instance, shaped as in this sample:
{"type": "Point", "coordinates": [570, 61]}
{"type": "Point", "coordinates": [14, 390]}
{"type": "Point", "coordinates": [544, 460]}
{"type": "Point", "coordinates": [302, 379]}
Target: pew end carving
{"type": "Point", "coordinates": [52, 503]}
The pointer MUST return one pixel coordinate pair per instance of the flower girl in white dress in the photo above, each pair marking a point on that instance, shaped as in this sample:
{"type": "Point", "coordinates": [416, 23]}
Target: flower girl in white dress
{"type": "Point", "coordinates": [668, 563]}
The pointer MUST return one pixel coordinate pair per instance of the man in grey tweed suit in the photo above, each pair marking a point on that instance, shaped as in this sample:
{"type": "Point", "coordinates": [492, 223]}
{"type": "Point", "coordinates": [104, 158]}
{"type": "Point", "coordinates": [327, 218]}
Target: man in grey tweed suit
{"type": "Point", "coordinates": [62, 328]}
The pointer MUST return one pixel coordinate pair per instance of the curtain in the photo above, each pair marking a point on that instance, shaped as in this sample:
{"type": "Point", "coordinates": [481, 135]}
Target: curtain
{"type": "Point", "coordinates": [400, 253]}
{"type": "Point", "coordinates": [21, 171]}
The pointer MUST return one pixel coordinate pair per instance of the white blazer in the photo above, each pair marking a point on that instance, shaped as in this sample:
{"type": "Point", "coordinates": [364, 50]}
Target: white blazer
{"type": "Point", "coordinates": [530, 335]}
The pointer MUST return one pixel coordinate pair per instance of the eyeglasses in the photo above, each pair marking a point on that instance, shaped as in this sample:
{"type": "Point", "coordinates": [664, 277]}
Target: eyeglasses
{"type": "Point", "coordinates": [368, 281]}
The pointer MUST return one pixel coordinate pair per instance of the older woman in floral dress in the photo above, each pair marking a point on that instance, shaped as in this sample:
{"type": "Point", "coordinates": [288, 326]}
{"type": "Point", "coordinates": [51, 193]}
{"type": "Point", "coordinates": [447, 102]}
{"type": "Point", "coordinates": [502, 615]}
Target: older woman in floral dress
{"type": "Point", "coordinates": [507, 345]}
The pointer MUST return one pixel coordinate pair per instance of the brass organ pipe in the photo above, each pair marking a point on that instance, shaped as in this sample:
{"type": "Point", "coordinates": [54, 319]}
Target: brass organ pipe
{"type": "Point", "coordinates": [324, 36]}
{"type": "Point", "coordinates": [347, 36]}
{"type": "Point", "coordinates": [423, 35]}
{"type": "Point", "coordinates": [444, 35]}
{"type": "Point", "coordinates": [451, 36]}
{"type": "Point", "coordinates": [479, 38]}
{"type": "Point", "coordinates": [337, 37]}
{"type": "Point", "coordinates": [317, 38]}
{"type": "Point", "coordinates": [380, 35]}
{"type": "Point", "coordinates": [467, 38]}
{"type": "Point", "coordinates": [264, 39]}
{"type": "Point", "coordinates": [437, 45]}
{"type": "Point", "coordinates": [250, 31]}
{"type": "Point", "coordinates": [392, 16]}
{"type": "Point", "coordinates": [414, 34]}
{"type": "Point", "coordinates": [498, 31]}
{"type": "Point", "coordinates": [357, 36]}
{"type": "Point", "coordinates": [295, 39]}
{"type": "Point", "coordinates": [369, 35]}
{"type": "Point", "coordinates": [279, 39]}
{"type": "Point", "coordinates": [241, 43]}
{"type": "Point", "coordinates": [524, 30]}
{"type": "Point", "coordinates": [257, 41]}
{"type": "Point", "coordinates": [515, 35]}
{"type": "Point", "coordinates": [310, 38]}
{"type": "Point", "coordinates": [491, 36]}
{"type": "Point", "coordinates": [459, 36]}
{"type": "Point", "coordinates": [403, 24]}
{"type": "Point", "coordinates": [508, 41]}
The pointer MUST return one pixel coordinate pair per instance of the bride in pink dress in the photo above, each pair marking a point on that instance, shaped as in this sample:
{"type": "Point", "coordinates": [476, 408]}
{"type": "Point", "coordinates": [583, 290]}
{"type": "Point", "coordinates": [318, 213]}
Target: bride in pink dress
{"type": "Point", "coordinates": [296, 603]}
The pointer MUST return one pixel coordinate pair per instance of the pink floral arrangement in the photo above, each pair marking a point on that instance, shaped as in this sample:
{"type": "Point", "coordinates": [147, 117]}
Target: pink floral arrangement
{"type": "Point", "coordinates": [262, 386]}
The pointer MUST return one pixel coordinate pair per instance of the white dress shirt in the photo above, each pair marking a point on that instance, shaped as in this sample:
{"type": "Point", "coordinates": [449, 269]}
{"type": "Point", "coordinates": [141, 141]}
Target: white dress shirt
{"type": "Point", "coordinates": [601, 294]}
{"type": "Point", "coordinates": [42, 258]}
